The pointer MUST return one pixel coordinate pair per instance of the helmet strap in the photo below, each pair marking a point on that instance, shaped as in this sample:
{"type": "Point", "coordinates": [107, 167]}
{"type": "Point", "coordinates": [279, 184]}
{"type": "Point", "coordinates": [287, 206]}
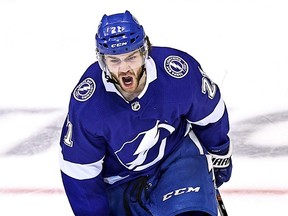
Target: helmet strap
{"type": "Point", "coordinates": [142, 72]}
{"type": "Point", "coordinates": [109, 79]}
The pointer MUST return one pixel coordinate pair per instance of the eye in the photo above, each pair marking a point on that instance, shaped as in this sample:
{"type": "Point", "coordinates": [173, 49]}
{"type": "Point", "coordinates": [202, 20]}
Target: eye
{"type": "Point", "coordinates": [131, 58]}
{"type": "Point", "coordinates": [114, 61]}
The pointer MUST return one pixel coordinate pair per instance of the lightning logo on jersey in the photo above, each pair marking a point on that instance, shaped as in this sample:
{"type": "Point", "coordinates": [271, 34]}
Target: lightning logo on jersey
{"type": "Point", "coordinates": [139, 148]}
{"type": "Point", "coordinates": [176, 67]}
{"type": "Point", "coordinates": [84, 90]}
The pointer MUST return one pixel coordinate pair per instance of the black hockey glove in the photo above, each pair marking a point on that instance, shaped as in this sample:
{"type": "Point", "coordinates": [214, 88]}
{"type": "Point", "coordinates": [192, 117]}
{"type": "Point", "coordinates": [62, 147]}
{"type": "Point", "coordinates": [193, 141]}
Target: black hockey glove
{"type": "Point", "coordinates": [222, 165]}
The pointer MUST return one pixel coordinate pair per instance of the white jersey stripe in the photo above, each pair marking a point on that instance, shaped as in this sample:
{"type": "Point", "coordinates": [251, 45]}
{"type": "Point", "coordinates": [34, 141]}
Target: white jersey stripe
{"type": "Point", "coordinates": [212, 117]}
{"type": "Point", "coordinates": [80, 171]}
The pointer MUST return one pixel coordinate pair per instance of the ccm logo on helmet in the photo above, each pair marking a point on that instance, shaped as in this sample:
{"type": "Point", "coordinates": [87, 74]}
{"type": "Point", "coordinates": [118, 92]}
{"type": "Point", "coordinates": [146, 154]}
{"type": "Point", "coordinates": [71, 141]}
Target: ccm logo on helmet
{"type": "Point", "coordinates": [180, 192]}
{"type": "Point", "coordinates": [119, 44]}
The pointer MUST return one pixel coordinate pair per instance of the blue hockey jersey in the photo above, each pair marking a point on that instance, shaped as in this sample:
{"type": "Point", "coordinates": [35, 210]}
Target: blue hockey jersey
{"type": "Point", "coordinates": [107, 140]}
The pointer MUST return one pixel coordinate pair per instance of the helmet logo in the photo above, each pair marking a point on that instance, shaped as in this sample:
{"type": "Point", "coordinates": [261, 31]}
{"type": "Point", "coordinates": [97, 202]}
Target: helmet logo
{"type": "Point", "coordinates": [84, 90]}
{"type": "Point", "coordinates": [119, 44]}
{"type": "Point", "coordinates": [176, 67]}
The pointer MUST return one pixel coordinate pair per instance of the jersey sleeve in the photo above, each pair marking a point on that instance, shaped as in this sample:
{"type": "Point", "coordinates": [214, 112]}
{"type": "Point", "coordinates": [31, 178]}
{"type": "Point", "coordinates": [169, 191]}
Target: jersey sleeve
{"type": "Point", "coordinates": [81, 161]}
{"type": "Point", "coordinates": [208, 113]}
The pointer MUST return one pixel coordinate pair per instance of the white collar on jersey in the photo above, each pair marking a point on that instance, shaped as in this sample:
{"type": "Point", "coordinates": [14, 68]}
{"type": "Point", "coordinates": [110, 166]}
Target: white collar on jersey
{"type": "Point", "coordinates": [151, 74]}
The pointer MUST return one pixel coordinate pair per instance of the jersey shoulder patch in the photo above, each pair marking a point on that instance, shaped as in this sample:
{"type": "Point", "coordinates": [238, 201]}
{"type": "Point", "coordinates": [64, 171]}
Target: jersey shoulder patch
{"type": "Point", "coordinates": [84, 90]}
{"type": "Point", "coordinates": [176, 66]}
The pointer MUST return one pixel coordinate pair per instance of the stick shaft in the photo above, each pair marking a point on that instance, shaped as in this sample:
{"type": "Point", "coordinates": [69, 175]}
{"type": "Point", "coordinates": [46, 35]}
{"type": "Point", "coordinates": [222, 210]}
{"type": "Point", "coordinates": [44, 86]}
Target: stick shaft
{"type": "Point", "coordinates": [221, 205]}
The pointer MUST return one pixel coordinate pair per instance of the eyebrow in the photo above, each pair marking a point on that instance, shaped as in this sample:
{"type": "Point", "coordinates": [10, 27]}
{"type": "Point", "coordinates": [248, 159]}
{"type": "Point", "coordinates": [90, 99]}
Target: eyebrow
{"type": "Point", "coordinates": [112, 57]}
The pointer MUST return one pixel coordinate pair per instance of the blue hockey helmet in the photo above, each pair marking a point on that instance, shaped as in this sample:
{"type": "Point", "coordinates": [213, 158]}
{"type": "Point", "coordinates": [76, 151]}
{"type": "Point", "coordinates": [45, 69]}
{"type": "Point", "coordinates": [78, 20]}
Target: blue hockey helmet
{"type": "Point", "coordinates": [119, 33]}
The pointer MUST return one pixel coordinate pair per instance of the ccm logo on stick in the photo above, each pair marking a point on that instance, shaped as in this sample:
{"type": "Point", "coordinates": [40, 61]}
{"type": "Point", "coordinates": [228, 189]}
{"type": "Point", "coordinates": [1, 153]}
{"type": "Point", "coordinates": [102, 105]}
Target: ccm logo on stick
{"type": "Point", "coordinates": [180, 191]}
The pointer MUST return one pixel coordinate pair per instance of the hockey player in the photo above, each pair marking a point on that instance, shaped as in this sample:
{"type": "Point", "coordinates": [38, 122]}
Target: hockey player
{"type": "Point", "coordinates": [146, 130]}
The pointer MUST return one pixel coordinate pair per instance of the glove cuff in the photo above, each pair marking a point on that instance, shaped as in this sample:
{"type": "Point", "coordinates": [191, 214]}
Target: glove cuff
{"type": "Point", "coordinates": [222, 161]}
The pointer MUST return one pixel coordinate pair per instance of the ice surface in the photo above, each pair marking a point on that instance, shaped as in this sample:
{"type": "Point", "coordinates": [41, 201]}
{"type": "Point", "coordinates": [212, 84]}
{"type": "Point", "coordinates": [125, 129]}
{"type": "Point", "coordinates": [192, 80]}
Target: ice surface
{"type": "Point", "coordinates": [47, 45]}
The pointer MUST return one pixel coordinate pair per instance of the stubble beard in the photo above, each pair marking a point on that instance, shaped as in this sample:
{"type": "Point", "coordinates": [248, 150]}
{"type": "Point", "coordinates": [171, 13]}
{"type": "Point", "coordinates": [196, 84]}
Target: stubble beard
{"type": "Point", "coordinates": [135, 81]}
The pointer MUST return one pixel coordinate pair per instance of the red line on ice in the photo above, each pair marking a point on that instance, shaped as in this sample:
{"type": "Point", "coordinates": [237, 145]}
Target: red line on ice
{"type": "Point", "coordinates": [259, 191]}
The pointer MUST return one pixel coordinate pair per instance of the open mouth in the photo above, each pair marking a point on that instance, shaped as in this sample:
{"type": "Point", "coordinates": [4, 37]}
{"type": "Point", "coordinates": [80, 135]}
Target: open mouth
{"type": "Point", "coordinates": [127, 80]}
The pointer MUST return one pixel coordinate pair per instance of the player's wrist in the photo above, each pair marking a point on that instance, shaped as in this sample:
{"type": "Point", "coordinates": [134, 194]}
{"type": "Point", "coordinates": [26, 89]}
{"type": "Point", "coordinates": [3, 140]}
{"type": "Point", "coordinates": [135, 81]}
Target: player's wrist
{"type": "Point", "coordinates": [222, 161]}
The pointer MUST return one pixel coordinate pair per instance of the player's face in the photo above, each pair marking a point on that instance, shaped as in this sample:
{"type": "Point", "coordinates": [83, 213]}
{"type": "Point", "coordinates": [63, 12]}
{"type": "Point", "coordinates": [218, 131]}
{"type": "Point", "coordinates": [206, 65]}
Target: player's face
{"type": "Point", "coordinates": [126, 69]}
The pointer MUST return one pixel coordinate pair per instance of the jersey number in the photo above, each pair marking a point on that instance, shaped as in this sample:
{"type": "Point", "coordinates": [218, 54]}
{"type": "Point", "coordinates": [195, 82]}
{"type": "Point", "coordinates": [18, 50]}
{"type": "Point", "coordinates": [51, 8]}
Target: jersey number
{"type": "Point", "coordinates": [68, 137]}
{"type": "Point", "coordinates": [208, 86]}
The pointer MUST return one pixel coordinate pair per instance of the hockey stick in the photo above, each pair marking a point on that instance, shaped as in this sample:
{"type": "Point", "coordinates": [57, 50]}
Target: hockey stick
{"type": "Point", "coordinates": [221, 205]}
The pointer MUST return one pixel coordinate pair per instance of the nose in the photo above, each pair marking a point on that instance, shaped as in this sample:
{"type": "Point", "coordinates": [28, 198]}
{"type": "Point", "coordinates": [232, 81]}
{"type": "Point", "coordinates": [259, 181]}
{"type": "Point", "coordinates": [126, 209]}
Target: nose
{"type": "Point", "coordinates": [124, 66]}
